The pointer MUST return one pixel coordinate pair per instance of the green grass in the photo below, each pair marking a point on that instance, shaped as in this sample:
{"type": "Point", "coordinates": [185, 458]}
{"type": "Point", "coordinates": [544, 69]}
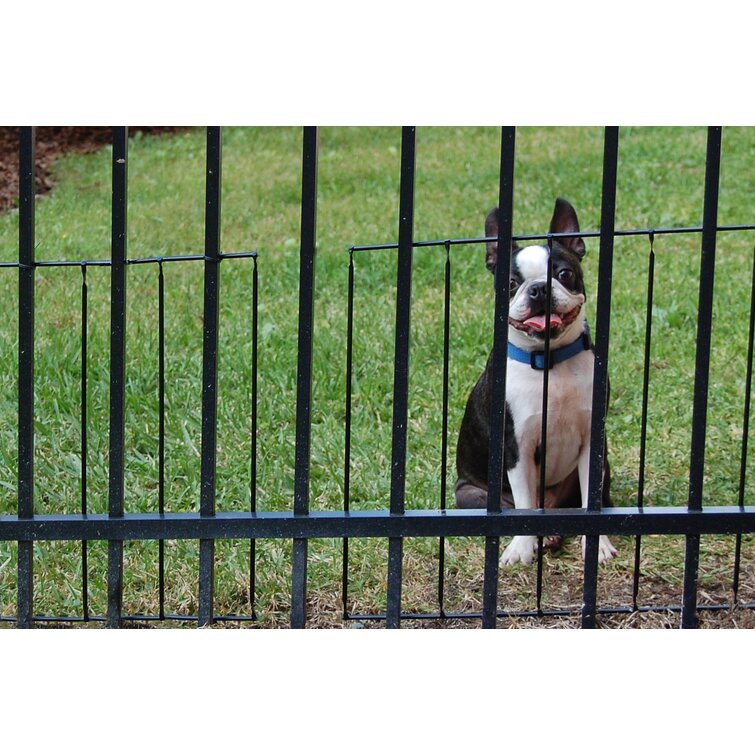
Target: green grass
{"type": "Point", "coordinates": [661, 174]}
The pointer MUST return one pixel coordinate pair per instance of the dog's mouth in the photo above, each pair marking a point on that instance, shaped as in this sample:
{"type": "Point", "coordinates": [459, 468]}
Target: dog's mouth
{"type": "Point", "coordinates": [536, 324]}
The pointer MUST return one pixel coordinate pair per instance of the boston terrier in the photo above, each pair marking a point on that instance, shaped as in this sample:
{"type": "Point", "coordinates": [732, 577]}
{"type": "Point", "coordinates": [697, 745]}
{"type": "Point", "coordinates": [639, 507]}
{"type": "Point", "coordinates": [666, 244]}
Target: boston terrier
{"type": "Point", "coordinates": [569, 388]}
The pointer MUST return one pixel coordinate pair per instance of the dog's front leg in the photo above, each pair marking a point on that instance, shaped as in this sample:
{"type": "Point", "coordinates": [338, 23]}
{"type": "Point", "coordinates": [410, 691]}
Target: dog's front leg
{"type": "Point", "coordinates": [523, 482]}
{"type": "Point", "coordinates": [606, 550]}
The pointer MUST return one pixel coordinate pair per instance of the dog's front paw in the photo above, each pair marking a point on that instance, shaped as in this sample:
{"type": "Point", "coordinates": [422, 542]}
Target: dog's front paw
{"type": "Point", "coordinates": [521, 548]}
{"type": "Point", "coordinates": [606, 549]}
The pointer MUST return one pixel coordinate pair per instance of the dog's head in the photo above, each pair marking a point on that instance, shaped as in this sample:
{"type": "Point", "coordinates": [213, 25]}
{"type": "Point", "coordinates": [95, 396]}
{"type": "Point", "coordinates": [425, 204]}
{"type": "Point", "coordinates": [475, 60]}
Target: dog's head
{"type": "Point", "coordinates": [528, 281]}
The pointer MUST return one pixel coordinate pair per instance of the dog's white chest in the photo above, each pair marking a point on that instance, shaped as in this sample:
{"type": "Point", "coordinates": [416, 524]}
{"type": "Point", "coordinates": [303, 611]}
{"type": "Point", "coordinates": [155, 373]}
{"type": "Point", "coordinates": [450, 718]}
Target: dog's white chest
{"type": "Point", "coordinates": [569, 411]}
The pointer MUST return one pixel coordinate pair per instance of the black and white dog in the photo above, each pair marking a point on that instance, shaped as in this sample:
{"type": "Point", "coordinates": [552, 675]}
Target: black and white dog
{"type": "Point", "coordinates": [569, 388]}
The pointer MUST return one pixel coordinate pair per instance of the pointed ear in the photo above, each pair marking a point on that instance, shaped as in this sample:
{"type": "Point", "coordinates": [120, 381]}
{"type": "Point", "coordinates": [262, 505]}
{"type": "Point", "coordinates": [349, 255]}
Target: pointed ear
{"type": "Point", "coordinates": [491, 247]}
{"type": "Point", "coordinates": [564, 220]}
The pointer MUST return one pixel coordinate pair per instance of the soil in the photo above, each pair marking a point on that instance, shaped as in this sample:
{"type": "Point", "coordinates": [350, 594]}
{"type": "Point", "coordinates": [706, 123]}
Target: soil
{"type": "Point", "coordinates": [51, 143]}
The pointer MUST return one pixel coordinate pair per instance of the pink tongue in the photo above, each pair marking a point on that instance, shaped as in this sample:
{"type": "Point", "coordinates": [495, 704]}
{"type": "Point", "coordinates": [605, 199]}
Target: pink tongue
{"type": "Point", "coordinates": [538, 322]}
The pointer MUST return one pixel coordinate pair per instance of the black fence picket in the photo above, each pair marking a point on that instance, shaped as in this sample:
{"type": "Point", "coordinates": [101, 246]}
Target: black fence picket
{"type": "Point", "coordinates": [118, 284]}
{"type": "Point", "coordinates": [395, 522]}
{"type": "Point", "coordinates": [600, 380]}
{"type": "Point", "coordinates": [702, 359]}
{"type": "Point", "coordinates": [27, 185]}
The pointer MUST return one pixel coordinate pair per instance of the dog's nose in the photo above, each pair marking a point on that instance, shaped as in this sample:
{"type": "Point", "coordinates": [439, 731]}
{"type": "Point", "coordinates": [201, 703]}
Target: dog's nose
{"type": "Point", "coordinates": [537, 291]}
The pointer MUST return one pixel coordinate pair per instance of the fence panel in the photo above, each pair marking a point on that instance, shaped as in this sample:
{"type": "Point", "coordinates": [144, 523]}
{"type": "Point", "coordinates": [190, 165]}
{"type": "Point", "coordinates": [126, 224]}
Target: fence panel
{"type": "Point", "coordinates": [395, 522]}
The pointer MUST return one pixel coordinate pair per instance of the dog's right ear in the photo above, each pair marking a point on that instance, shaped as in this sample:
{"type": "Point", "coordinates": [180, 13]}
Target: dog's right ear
{"type": "Point", "coordinates": [491, 247]}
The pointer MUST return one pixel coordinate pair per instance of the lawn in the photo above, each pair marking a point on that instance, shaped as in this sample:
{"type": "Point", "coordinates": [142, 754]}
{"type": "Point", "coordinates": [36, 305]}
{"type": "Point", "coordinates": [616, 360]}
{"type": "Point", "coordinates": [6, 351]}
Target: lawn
{"type": "Point", "coordinates": [660, 184]}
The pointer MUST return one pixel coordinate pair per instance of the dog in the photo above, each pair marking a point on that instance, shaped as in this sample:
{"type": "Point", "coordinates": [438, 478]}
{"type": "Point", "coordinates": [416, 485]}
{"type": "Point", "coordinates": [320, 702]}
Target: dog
{"type": "Point", "coordinates": [569, 389]}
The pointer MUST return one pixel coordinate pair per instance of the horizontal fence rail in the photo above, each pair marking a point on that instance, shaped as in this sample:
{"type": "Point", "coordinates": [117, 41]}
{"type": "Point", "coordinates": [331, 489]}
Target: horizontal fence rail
{"type": "Point", "coordinates": [400, 517]}
{"type": "Point", "coordinates": [671, 520]}
{"type": "Point", "coordinates": [543, 236]}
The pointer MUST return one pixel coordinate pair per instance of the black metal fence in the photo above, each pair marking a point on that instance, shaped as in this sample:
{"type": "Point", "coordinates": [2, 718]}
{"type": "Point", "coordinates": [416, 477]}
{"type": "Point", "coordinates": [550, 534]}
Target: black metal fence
{"type": "Point", "coordinates": [394, 523]}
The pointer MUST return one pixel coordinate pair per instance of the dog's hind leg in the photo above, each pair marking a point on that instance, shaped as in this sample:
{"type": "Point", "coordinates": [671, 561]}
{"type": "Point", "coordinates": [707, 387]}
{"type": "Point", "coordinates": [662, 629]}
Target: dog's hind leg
{"type": "Point", "coordinates": [471, 496]}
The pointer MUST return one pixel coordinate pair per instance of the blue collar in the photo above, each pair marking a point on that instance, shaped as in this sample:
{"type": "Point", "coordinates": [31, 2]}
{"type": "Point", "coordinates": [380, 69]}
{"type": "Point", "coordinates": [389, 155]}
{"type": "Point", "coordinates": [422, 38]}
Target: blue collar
{"type": "Point", "coordinates": [536, 359]}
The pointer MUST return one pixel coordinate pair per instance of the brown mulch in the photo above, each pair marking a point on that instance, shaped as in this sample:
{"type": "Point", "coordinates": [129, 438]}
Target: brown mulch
{"type": "Point", "coordinates": [51, 143]}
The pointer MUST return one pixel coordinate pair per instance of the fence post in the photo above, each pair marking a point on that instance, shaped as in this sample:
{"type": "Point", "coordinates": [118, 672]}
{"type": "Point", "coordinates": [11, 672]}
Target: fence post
{"type": "Point", "coordinates": [210, 369]}
{"type": "Point", "coordinates": [700, 408]}
{"type": "Point", "coordinates": [600, 370]}
{"type": "Point", "coordinates": [304, 374]}
{"type": "Point", "coordinates": [26, 369]}
{"type": "Point", "coordinates": [499, 357]}
{"type": "Point", "coordinates": [117, 369]}
{"type": "Point", "coordinates": [401, 369]}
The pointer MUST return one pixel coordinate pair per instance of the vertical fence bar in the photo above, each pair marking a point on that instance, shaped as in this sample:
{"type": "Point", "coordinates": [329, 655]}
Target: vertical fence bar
{"type": "Point", "coordinates": [600, 373]}
{"type": "Point", "coordinates": [646, 374]}
{"type": "Point", "coordinates": [161, 429]}
{"type": "Point", "coordinates": [544, 425]}
{"type": "Point", "coordinates": [84, 441]}
{"type": "Point", "coordinates": [745, 431]}
{"type": "Point", "coordinates": [702, 366]}
{"type": "Point", "coordinates": [347, 432]}
{"type": "Point", "coordinates": [401, 369]}
{"type": "Point", "coordinates": [26, 234]}
{"type": "Point", "coordinates": [253, 469]}
{"type": "Point", "coordinates": [546, 376]}
{"type": "Point", "coordinates": [210, 369]}
{"type": "Point", "coordinates": [644, 421]}
{"type": "Point", "coordinates": [444, 425]}
{"type": "Point", "coordinates": [304, 374]}
{"type": "Point", "coordinates": [748, 390]}
{"type": "Point", "coordinates": [117, 370]}
{"type": "Point", "coordinates": [499, 357]}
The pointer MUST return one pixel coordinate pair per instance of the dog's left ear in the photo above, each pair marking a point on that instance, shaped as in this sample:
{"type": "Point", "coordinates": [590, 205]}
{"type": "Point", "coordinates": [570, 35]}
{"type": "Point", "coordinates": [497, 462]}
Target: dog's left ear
{"type": "Point", "coordinates": [491, 248]}
{"type": "Point", "coordinates": [564, 220]}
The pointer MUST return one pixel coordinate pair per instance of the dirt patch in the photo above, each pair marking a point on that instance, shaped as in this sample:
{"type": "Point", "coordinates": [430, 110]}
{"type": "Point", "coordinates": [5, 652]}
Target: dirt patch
{"type": "Point", "coordinates": [51, 143]}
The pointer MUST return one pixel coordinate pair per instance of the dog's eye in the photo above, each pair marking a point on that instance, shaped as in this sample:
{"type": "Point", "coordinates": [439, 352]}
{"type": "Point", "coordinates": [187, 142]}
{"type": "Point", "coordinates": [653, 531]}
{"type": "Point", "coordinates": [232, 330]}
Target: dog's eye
{"type": "Point", "coordinates": [566, 275]}
{"type": "Point", "coordinates": [513, 285]}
